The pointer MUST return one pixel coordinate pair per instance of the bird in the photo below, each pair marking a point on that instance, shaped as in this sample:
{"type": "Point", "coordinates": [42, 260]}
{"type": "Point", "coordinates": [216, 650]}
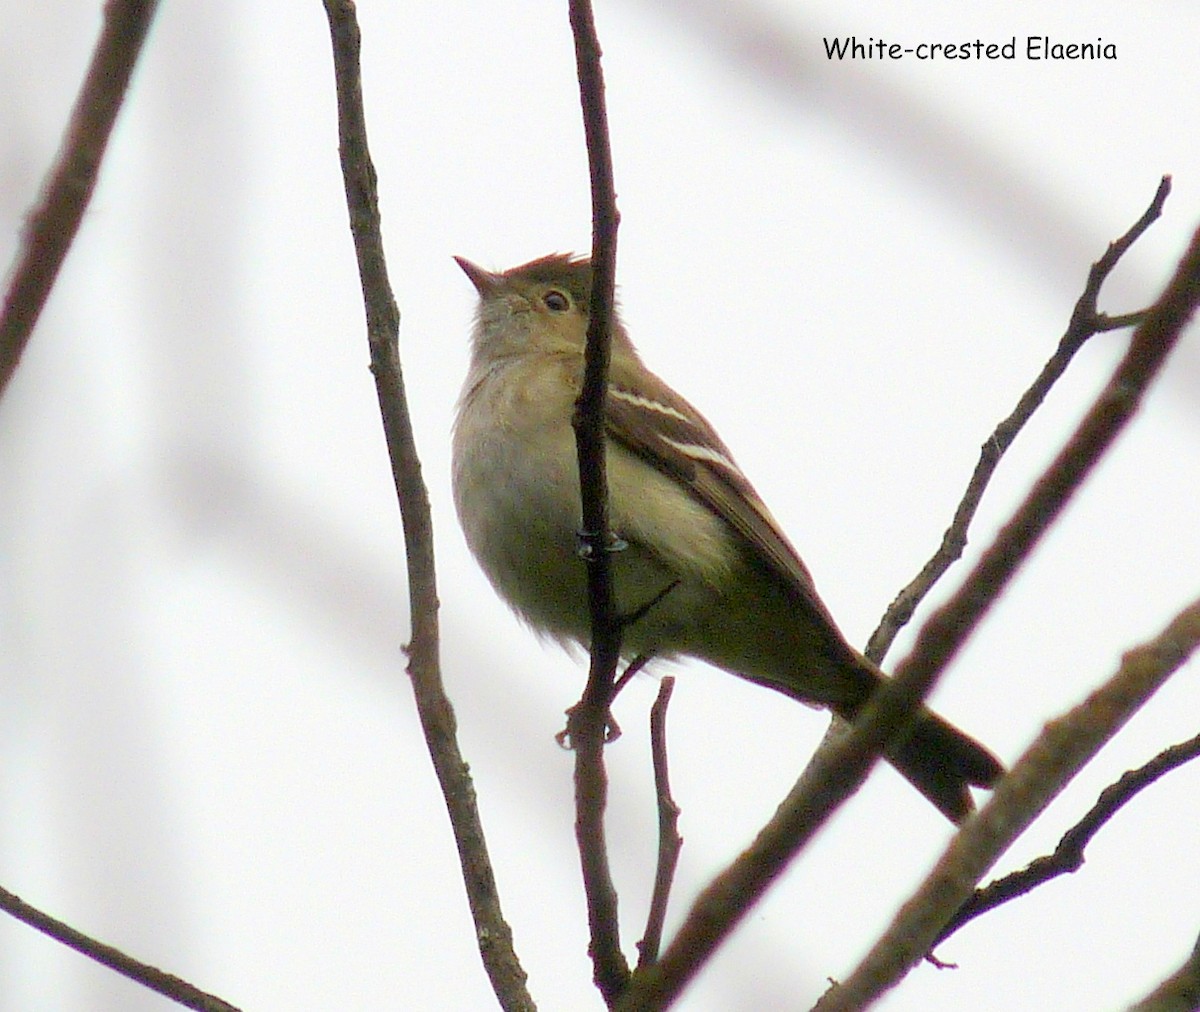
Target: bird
{"type": "Point", "coordinates": [702, 568]}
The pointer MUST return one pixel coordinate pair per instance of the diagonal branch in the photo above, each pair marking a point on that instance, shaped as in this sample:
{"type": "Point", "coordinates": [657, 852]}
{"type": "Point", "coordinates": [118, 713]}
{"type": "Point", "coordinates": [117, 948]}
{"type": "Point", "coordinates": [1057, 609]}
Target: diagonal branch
{"type": "Point", "coordinates": [1068, 855]}
{"type": "Point", "coordinates": [1086, 321]}
{"type": "Point", "coordinates": [1064, 747]}
{"type": "Point", "coordinates": [166, 984]}
{"type": "Point", "coordinates": [51, 228]}
{"type": "Point", "coordinates": [948, 628]}
{"type": "Point", "coordinates": [436, 714]}
{"type": "Point", "coordinates": [589, 718]}
{"type": "Point", "coordinates": [838, 769]}
{"type": "Point", "coordinates": [1066, 744]}
{"type": "Point", "coordinates": [68, 189]}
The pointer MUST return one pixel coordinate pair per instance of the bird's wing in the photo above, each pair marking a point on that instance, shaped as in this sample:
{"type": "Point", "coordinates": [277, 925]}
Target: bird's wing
{"type": "Point", "coordinates": [662, 428]}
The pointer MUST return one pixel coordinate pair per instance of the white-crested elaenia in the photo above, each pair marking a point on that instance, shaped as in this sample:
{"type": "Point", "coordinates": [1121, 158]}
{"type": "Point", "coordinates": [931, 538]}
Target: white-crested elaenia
{"type": "Point", "coordinates": [740, 597]}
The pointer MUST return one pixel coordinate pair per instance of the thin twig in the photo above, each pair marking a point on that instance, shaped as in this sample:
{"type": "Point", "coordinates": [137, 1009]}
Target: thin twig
{"type": "Point", "coordinates": [669, 840]}
{"type": "Point", "coordinates": [589, 718]}
{"type": "Point", "coordinates": [437, 716]}
{"type": "Point", "coordinates": [1064, 747]}
{"type": "Point", "coordinates": [840, 766]}
{"type": "Point", "coordinates": [1085, 321]}
{"type": "Point", "coordinates": [52, 225]}
{"type": "Point", "coordinates": [948, 628]}
{"type": "Point", "coordinates": [1068, 855]}
{"type": "Point", "coordinates": [844, 765]}
{"type": "Point", "coordinates": [148, 976]}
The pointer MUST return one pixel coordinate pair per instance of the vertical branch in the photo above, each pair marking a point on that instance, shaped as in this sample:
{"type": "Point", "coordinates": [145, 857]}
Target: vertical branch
{"type": "Point", "coordinates": [68, 189]}
{"type": "Point", "coordinates": [589, 719]}
{"type": "Point", "coordinates": [589, 409]}
{"type": "Point", "coordinates": [669, 840]}
{"type": "Point", "coordinates": [383, 324]}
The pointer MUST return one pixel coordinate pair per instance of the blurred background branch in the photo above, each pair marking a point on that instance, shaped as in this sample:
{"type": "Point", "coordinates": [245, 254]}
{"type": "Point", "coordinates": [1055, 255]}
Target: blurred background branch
{"type": "Point", "coordinates": [52, 225]}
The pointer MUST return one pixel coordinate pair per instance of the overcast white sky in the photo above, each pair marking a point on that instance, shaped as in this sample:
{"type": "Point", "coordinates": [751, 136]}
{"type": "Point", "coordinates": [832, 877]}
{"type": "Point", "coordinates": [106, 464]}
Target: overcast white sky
{"type": "Point", "coordinates": [208, 749]}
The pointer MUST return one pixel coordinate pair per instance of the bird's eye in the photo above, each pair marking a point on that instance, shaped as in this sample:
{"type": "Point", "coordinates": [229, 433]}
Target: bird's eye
{"type": "Point", "coordinates": [556, 301]}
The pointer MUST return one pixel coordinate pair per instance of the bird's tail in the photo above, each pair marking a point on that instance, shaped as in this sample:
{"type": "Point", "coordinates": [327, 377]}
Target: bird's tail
{"type": "Point", "coordinates": [936, 757]}
{"type": "Point", "coordinates": [942, 763]}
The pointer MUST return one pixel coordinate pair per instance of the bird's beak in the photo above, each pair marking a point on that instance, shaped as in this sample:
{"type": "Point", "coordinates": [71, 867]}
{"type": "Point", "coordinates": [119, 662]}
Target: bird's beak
{"type": "Point", "coordinates": [485, 282]}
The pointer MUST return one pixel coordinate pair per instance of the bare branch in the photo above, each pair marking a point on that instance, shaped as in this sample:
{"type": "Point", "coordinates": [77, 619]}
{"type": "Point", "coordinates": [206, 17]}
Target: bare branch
{"type": "Point", "coordinates": [948, 628]}
{"type": "Point", "coordinates": [1068, 855]}
{"type": "Point", "coordinates": [148, 976]}
{"type": "Point", "coordinates": [1064, 747]}
{"type": "Point", "coordinates": [1085, 321]}
{"type": "Point", "coordinates": [437, 716]}
{"type": "Point", "coordinates": [837, 771]}
{"type": "Point", "coordinates": [52, 225]}
{"type": "Point", "coordinates": [669, 840]}
{"type": "Point", "coordinates": [49, 232]}
{"type": "Point", "coordinates": [590, 717]}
